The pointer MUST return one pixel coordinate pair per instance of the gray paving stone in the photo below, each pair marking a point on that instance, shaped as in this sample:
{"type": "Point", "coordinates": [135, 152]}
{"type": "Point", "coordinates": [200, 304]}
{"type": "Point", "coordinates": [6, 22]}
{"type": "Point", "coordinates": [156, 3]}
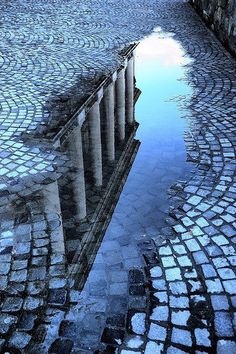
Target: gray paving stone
{"type": "Point", "coordinates": [180, 318]}
{"type": "Point", "coordinates": [153, 347]}
{"type": "Point", "coordinates": [157, 332]}
{"type": "Point", "coordinates": [160, 313]}
{"type": "Point", "coordinates": [226, 273]}
{"type": "Point", "coordinates": [178, 288]}
{"type": "Point", "coordinates": [179, 302]}
{"type": "Point", "coordinates": [12, 304]}
{"type": "Point", "coordinates": [208, 271]}
{"type": "Point", "coordinates": [200, 257]}
{"type": "Point", "coordinates": [181, 336]}
{"type": "Point", "coordinates": [219, 302]}
{"type": "Point", "coordinates": [173, 274]}
{"type": "Point", "coordinates": [174, 350]}
{"type": "Point", "coordinates": [202, 336]}
{"type": "Point", "coordinates": [226, 346]}
{"type": "Point", "coordinates": [156, 272]}
{"type": "Point", "coordinates": [223, 324]}
{"type": "Point", "coordinates": [214, 286]}
{"type": "Point", "coordinates": [229, 286]}
{"type": "Point", "coordinates": [20, 340]}
{"type": "Point", "coordinates": [32, 303]}
{"type": "Point", "coordinates": [138, 323]}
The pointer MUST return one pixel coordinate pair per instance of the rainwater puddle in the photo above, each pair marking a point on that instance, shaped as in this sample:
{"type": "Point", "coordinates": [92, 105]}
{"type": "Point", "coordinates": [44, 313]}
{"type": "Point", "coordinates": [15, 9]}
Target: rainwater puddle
{"type": "Point", "coordinates": [143, 203]}
{"type": "Point", "coordinates": [161, 159]}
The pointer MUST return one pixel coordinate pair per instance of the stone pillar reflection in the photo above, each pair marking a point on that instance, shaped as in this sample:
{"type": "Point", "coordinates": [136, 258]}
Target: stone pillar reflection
{"type": "Point", "coordinates": [120, 103]}
{"type": "Point", "coordinates": [52, 205]}
{"type": "Point", "coordinates": [95, 143]}
{"type": "Point", "coordinates": [110, 121]}
{"type": "Point", "coordinates": [130, 91]}
{"type": "Point", "coordinates": [76, 152]}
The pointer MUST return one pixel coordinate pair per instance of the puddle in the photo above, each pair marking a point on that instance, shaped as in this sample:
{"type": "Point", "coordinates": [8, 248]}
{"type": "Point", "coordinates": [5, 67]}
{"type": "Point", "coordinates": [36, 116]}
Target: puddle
{"type": "Point", "coordinates": [143, 203]}
{"type": "Point", "coordinates": [106, 154]}
{"type": "Point", "coordinates": [161, 159]}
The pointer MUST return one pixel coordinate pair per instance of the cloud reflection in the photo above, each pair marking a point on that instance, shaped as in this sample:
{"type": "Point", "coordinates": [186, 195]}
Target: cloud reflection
{"type": "Point", "coordinates": [162, 48]}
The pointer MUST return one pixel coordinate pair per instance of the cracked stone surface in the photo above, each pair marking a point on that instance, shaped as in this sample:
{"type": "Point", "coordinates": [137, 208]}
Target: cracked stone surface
{"type": "Point", "coordinates": [177, 296]}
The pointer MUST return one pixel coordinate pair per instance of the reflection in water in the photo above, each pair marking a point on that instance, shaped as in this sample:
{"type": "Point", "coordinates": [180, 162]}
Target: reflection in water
{"type": "Point", "coordinates": [143, 203]}
{"type": "Point", "coordinates": [102, 150]}
{"type": "Point", "coordinates": [77, 209]}
{"type": "Point", "coordinates": [161, 158]}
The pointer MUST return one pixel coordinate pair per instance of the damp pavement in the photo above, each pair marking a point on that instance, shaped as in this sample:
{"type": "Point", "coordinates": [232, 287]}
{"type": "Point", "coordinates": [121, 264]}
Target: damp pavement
{"type": "Point", "coordinates": [163, 280]}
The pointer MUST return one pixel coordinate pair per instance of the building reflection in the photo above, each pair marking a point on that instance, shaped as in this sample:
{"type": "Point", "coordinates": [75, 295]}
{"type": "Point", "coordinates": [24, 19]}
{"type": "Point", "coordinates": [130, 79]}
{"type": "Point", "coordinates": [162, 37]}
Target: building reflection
{"type": "Point", "coordinates": [101, 146]}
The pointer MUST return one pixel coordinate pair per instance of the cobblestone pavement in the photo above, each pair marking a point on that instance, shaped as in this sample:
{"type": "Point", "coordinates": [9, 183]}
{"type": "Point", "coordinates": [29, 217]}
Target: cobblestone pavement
{"type": "Point", "coordinates": [182, 295]}
{"type": "Point", "coordinates": [51, 55]}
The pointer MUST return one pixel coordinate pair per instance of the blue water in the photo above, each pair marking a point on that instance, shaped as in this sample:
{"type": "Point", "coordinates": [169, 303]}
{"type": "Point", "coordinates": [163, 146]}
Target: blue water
{"type": "Point", "coordinates": [161, 159]}
{"type": "Point", "coordinates": [143, 204]}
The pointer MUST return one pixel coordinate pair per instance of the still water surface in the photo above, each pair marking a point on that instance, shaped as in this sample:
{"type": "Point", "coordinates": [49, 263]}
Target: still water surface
{"type": "Point", "coordinates": [161, 159]}
{"type": "Point", "coordinates": [143, 204]}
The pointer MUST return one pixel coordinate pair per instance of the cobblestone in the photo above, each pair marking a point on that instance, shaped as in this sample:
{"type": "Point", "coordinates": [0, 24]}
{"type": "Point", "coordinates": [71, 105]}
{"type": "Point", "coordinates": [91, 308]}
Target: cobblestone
{"type": "Point", "coordinates": [182, 295]}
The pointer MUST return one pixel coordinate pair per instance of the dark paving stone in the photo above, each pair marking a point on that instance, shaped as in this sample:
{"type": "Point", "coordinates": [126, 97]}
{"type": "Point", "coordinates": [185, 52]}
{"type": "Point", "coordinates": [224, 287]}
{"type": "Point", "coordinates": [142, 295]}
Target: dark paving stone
{"type": "Point", "coordinates": [27, 322]}
{"type": "Point", "coordinates": [112, 336]}
{"type": "Point", "coordinates": [116, 321]}
{"type": "Point", "coordinates": [117, 304]}
{"type": "Point", "coordinates": [137, 290]}
{"type": "Point", "coordinates": [136, 276]}
{"type": "Point", "coordinates": [57, 297]}
{"type": "Point", "coordinates": [68, 329]}
{"type": "Point", "coordinates": [61, 346]}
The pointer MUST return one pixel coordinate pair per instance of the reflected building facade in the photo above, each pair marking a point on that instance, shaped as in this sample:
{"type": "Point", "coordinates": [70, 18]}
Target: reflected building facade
{"type": "Point", "coordinates": [101, 146]}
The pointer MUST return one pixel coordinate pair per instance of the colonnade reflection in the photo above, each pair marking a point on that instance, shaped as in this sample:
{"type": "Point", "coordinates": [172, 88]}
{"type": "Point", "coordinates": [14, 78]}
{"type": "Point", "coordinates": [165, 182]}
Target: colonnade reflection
{"type": "Point", "coordinates": [101, 147]}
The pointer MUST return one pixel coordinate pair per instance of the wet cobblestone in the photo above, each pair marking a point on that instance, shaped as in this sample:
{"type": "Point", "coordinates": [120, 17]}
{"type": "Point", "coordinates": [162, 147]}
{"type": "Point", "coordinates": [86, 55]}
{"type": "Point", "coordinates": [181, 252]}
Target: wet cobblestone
{"type": "Point", "coordinates": [177, 297]}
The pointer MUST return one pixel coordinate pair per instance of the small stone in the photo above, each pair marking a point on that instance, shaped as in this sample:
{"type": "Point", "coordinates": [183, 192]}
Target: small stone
{"type": "Point", "coordinates": [208, 271]}
{"type": "Point", "coordinates": [168, 262]}
{"type": "Point", "coordinates": [161, 296]}
{"type": "Point", "coordinates": [156, 272]}
{"type": "Point", "coordinates": [179, 302]}
{"type": "Point", "coordinates": [160, 313]}
{"type": "Point", "coordinates": [219, 302]}
{"type": "Point", "coordinates": [223, 324]}
{"type": "Point", "coordinates": [202, 337]}
{"type": "Point", "coordinates": [32, 303]}
{"type": "Point", "coordinates": [113, 336]}
{"type": "Point", "coordinates": [159, 284]}
{"type": "Point", "coordinates": [200, 257]}
{"type": "Point", "coordinates": [153, 347]}
{"type": "Point", "coordinates": [134, 342]}
{"type": "Point", "coordinates": [57, 297]}
{"type": "Point", "coordinates": [6, 321]}
{"type": "Point", "coordinates": [180, 318]}
{"type": "Point", "coordinates": [192, 245]}
{"type": "Point", "coordinates": [230, 286]}
{"type": "Point", "coordinates": [184, 261]}
{"type": "Point", "coordinates": [173, 274]}
{"type": "Point", "coordinates": [19, 340]}
{"type": "Point", "coordinates": [157, 332]}
{"type": "Point", "coordinates": [181, 336]}
{"type": "Point", "coordinates": [138, 323]}
{"type": "Point", "coordinates": [194, 200]}
{"type": "Point", "coordinates": [214, 286]}
{"type": "Point", "coordinates": [178, 288]}
{"type": "Point", "coordinates": [226, 346]}
{"type": "Point", "coordinates": [165, 251]}
{"type": "Point", "coordinates": [12, 304]}
{"type": "Point", "coordinates": [226, 273]}
{"type": "Point", "coordinates": [61, 345]}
